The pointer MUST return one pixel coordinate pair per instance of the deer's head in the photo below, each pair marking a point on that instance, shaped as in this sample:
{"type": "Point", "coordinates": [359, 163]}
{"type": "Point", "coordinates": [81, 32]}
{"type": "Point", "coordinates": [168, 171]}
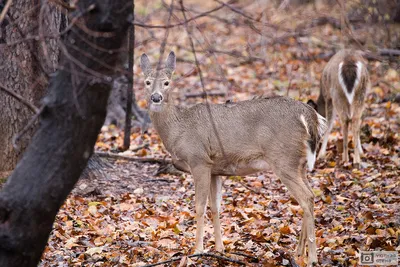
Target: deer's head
{"type": "Point", "coordinates": [157, 84]}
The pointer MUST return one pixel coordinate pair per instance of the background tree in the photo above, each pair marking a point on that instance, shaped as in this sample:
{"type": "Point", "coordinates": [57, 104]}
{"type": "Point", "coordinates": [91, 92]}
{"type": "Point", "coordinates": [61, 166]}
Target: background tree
{"type": "Point", "coordinates": [25, 65]}
{"type": "Point", "coordinates": [73, 112]}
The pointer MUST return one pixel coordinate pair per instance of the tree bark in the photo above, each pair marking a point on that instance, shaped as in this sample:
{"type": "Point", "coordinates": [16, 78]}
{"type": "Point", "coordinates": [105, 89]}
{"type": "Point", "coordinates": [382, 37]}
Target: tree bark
{"type": "Point", "coordinates": [24, 69]}
{"type": "Point", "coordinates": [74, 110]}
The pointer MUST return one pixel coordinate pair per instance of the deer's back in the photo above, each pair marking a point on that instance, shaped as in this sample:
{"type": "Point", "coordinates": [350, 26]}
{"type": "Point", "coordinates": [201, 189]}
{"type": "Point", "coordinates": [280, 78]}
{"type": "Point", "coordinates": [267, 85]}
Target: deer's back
{"type": "Point", "coordinates": [246, 132]}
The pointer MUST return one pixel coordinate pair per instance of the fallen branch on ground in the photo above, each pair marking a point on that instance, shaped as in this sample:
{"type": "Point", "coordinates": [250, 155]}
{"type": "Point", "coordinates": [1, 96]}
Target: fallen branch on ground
{"type": "Point", "coordinates": [197, 256]}
{"type": "Point", "coordinates": [253, 259]}
{"type": "Point", "coordinates": [146, 145]}
{"type": "Point", "coordinates": [129, 158]}
{"type": "Point", "coordinates": [388, 52]}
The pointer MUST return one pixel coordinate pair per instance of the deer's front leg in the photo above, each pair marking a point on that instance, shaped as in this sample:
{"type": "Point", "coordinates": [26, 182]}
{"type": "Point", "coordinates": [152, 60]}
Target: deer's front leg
{"type": "Point", "coordinates": [202, 180]}
{"type": "Point", "coordinates": [215, 204]}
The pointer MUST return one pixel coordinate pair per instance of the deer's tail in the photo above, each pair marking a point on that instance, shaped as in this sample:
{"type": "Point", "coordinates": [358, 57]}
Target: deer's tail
{"type": "Point", "coordinates": [349, 76]}
{"type": "Point", "coordinates": [315, 127]}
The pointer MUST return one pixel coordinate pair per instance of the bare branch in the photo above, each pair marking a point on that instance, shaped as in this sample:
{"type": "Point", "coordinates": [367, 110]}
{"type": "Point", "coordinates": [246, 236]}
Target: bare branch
{"type": "Point", "coordinates": [240, 12]}
{"type": "Point", "coordinates": [24, 38]}
{"type": "Point", "coordinates": [5, 10]}
{"type": "Point", "coordinates": [201, 79]}
{"type": "Point", "coordinates": [135, 159]}
{"type": "Point", "coordinates": [19, 98]}
{"type": "Point", "coordinates": [168, 26]}
{"type": "Point", "coordinates": [28, 126]}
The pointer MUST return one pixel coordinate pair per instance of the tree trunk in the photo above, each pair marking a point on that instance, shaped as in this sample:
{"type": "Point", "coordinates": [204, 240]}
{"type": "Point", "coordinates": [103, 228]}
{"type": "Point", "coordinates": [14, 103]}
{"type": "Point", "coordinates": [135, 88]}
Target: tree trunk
{"type": "Point", "coordinates": [24, 69]}
{"type": "Point", "coordinates": [74, 110]}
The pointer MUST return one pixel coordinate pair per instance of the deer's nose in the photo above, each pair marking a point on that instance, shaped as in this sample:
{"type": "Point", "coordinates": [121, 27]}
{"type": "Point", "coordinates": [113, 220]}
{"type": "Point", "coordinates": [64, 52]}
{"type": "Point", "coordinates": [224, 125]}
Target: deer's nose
{"type": "Point", "coordinates": [156, 98]}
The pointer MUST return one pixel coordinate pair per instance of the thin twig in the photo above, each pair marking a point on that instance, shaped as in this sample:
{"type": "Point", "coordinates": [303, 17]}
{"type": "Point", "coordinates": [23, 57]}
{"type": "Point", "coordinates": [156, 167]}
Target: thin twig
{"type": "Point", "coordinates": [27, 127]}
{"type": "Point", "coordinates": [163, 44]}
{"type": "Point", "coordinates": [32, 107]}
{"type": "Point", "coordinates": [134, 159]}
{"type": "Point", "coordinates": [82, 66]}
{"type": "Point", "coordinates": [24, 38]}
{"type": "Point", "coordinates": [240, 12]}
{"type": "Point", "coordinates": [289, 73]}
{"type": "Point", "coordinates": [388, 52]}
{"type": "Point", "coordinates": [34, 55]}
{"type": "Point", "coordinates": [197, 256]}
{"type": "Point", "coordinates": [201, 80]}
{"type": "Point", "coordinates": [253, 259]}
{"type": "Point", "coordinates": [201, 94]}
{"type": "Point", "coordinates": [5, 10]}
{"type": "Point", "coordinates": [219, 67]}
{"type": "Point", "coordinates": [168, 26]}
{"type": "Point", "coordinates": [96, 59]}
{"type": "Point", "coordinates": [146, 145]}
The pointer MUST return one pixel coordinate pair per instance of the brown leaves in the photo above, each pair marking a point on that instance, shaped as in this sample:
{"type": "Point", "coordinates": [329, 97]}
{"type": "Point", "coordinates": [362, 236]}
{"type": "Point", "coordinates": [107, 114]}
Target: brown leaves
{"type": "Point", "coordinates": [355, 209]}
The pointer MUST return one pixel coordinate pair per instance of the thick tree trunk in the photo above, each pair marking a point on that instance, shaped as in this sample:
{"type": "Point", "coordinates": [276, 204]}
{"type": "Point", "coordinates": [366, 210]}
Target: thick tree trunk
{"type": "Point", "coordinates": [74, 111]}
{"type": "Point", "coordinates": [23, 70]}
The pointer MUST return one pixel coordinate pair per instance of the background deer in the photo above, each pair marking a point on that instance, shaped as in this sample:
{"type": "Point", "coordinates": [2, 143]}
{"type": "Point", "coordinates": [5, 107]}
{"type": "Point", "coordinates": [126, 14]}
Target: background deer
{"type": "Point", "coordinates": [344, 84]}
{"type": "Point", "coordinates": [209, 141]}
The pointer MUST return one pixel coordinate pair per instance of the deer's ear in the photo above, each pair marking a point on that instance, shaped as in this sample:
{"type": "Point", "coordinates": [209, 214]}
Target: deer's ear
{"type": "Point", "coordinates": [145, 64]}
{"type": "Point", "coordinates": [171, 62]}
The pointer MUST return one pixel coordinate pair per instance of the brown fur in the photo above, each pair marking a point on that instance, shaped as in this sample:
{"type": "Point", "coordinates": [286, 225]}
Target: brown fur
{"type": "Point", "coordinates": [239, 139]}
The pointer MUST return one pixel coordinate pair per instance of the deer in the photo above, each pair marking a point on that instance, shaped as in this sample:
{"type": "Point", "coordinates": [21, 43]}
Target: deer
{"type": "Point", "coordinates": [344, 85]}
{"type": "Point", "coordinates": [213, 140]}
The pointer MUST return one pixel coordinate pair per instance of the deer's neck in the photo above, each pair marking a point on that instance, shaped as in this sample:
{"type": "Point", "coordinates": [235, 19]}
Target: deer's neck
{"type": "Point", "coordinates": [165, 120]}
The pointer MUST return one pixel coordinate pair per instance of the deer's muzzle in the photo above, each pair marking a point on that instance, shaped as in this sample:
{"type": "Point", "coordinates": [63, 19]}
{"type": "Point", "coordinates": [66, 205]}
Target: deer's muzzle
{"type": "Point", "coordinates": [156, 98]}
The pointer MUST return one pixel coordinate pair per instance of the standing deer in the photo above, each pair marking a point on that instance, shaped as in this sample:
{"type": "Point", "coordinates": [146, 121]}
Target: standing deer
{"type": "Point", "coordinates": [344, 83]}
{"type": "Point", "coordinates": [210, 141]}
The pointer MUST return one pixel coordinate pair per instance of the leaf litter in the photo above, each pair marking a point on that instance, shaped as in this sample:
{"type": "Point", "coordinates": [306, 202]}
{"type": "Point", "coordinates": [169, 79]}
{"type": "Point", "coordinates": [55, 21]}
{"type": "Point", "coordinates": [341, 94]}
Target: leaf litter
{"type": "Point", "coordinates": [130, 217]}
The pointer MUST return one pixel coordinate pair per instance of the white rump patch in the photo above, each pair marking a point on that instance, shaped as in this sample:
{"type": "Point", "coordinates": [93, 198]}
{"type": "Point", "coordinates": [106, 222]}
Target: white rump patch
{"type": "Point", "coordinates": [311, 156]}
{"type": "Point", "coordinates": [350, 96]}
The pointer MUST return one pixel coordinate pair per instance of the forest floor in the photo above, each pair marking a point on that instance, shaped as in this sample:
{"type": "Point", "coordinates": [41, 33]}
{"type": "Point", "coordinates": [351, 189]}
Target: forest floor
{"type": "Point", "coordinates": [132, 217]}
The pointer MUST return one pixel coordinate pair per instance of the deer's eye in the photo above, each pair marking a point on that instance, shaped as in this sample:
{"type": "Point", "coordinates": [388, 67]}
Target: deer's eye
{"type": "Point", "coordinates": [166, 83]}
{"type": "Point", "coordinates": [148, 82]}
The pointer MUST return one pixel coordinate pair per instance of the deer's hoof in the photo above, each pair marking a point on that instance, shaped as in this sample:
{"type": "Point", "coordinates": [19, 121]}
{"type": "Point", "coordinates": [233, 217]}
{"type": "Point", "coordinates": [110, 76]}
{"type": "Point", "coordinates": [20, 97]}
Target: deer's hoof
{"type": "Point", "coordinates": [357, 166]}
{"type": "Point", "coordinates": [198, 251]}
{"type": "Point", "coordinates": [300, 250]}
{"type": "Point", "coordinates": [312, 261]}
{"type": "Point", "coordinates": [220, 248]}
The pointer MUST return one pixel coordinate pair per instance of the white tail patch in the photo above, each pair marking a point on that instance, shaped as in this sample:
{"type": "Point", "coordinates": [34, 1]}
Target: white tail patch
{"type": "Point", "coordinates": [311, 156]}
{"type": "Point", "coordinates": [350, 96]}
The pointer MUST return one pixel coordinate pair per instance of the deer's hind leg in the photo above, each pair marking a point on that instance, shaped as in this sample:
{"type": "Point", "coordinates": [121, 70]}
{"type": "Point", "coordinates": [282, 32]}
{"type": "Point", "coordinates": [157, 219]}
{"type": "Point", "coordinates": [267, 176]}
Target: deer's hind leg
{"type": "Point", "coordinates": [344, 120]}
{"type": "Point", "coordinates": [358, 151]}
{"type": "Point", "coordinates": [296, 182]}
